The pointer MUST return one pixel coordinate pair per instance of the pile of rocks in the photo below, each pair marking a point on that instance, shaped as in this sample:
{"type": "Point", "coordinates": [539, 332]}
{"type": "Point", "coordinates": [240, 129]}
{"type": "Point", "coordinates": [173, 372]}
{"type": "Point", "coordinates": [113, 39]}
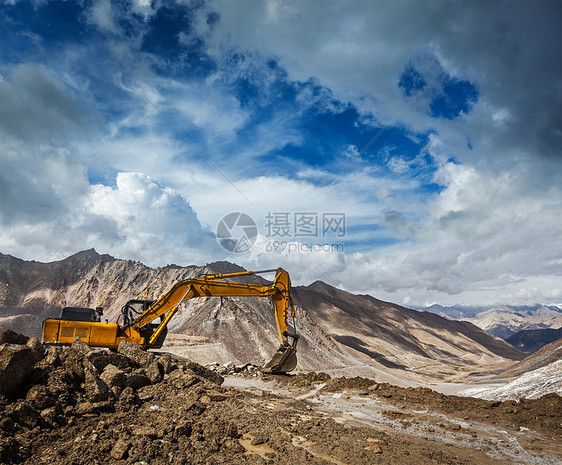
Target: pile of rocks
{"type": "Point", "coordinates": [48, 387]}
{"type": "Point", "coordinates": [18, 356]}
{"type": "Point", "coordinates": [230, 368]}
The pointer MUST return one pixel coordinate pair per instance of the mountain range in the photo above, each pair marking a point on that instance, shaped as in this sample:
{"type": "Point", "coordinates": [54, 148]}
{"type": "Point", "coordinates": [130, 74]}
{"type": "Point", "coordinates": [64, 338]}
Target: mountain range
{"type": "Point", "coordinates": [504, 320]}
{"type": "Point", "coordinates": [341, 332]}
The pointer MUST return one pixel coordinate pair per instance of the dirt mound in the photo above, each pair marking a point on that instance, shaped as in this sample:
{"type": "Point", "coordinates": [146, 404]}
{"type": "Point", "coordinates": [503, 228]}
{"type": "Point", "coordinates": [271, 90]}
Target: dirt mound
{"type": "Point", "coordinates": [343, 384]}
{"type": "Point", "coordinates": [51, 390]}
{"type": "Point", "coordinates": [11, 337]}
{"type": "Point", "coordinates": [542, 414]}
{"type": "Point", "coordinates": [95, 406]}
{"type": "Point", "coordinates": [309, 379]}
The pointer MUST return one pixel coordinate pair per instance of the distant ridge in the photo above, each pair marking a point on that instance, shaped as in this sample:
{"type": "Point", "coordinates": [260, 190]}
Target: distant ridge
{"type": "Point", "coordinates": [531, 340]}
{"type": "Point", "coordinates": [503, 320]}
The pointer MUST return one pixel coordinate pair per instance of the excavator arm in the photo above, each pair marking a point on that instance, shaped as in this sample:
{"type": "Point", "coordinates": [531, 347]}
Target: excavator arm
{"type": "Point", "coordinates": [145, 333]}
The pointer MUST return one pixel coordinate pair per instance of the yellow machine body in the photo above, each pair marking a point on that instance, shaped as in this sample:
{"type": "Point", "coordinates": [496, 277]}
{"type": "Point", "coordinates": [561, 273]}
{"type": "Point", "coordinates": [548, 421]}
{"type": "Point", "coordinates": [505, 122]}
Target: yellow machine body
{"type": "Point", "coordinates": [108, 335]}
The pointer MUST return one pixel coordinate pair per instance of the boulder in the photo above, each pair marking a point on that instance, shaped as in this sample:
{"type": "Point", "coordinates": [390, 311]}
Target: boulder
{"type": "Point", "coordinates": [78, 345]}
{"type": "Point", "coordinates": [16, 365]}
{"type": "Point", "coordinates": [52, 415]}
{"type": "Point", "coordinates": [84, 408]}
{"type": "Point", "coordinates": [40, 397]}
{"type": "Point", "coordinates": [203, 372]}
{"type": "Point", "coordinates": [128, 397]}
{"type": "Point", "coordinates": [61, 381]}
{"type": "Point", "coordinates": [137, 379]}
{"type": "Point", "coordinates": [11, 337]}
{"type": "Point", "coordinates": [51, 358]}
{"type": "Point", "coordinates": [95, 387]}
{"type": "Point", "coordinates": [72, 357]}
{"type": "Point", "coordinates": [34, 344]}
{"type": "Point", "coordinates": [114, 377]}
{"type": "Point", "coordinates": [165, 362]}
{"type": "Point", "coordinates": [133, 352]}
{"type": "Point", "coordinates": [25, 415]}
{"type": "Point", "coordinates": [102, 357]}
{"type": "Point", "coordinates": [181, 380]}
{"type": "Point", "coordinates": [46, 365]}
{"type": "Point", "coordinates": [154, 373]}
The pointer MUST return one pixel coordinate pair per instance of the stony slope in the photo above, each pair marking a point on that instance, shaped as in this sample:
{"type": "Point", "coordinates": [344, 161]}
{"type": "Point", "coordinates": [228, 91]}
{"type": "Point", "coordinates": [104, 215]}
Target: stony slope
{"type": "Point", "coordinates": [530, 385]}
{"type": "Point", "coordinates": [341, 332]}
{"type": "Point", "coordinates": [548, 354]}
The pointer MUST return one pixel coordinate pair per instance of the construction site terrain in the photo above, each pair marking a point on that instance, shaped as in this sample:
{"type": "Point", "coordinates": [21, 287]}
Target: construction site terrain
{"type": "Point", "coordinates": [81, 405]}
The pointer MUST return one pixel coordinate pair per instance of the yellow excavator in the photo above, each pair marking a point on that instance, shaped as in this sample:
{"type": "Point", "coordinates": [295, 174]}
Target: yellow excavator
{"type": "Point", "coordinates": [145, 321]}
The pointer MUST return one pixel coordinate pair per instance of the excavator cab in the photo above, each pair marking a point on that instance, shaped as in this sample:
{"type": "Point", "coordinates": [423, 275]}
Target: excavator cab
{"type": "Point", "coordinates": [132, 309]}
{"type": "Point", "coordinates": [81, 314]}
{"type": "Point", "coordinates": [136, 307]}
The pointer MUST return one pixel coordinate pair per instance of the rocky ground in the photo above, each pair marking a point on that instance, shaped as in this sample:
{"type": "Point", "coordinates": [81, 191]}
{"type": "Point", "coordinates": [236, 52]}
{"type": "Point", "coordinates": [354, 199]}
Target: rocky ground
{"type": "Point", "coordinates": [80, 405]}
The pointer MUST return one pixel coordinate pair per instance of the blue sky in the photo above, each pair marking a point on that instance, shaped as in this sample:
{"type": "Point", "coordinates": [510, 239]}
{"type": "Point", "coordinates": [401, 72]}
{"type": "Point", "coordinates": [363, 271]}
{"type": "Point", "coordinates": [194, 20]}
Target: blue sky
{"type": "Point", "coordinates": [134, 127]}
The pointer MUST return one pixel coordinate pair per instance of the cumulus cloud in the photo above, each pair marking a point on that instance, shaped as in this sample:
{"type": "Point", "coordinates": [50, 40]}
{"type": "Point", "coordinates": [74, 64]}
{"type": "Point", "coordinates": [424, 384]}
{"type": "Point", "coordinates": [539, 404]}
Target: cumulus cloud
{"type": "Point", "coordinates": [49, 207]}
{"type": "Point", "coordinates": [474, 216]}
{"type": "Point", "coordinates": [152, 222]}
{"type": "Point", "coordinates": [136, 219]}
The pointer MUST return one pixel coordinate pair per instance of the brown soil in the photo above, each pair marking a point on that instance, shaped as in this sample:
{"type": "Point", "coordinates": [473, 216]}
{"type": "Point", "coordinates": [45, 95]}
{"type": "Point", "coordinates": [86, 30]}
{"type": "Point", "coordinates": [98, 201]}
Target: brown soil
{"type": "Point", "coordinates": [543, 415]}
{"type": "Point", "coordinates": [97, 407]}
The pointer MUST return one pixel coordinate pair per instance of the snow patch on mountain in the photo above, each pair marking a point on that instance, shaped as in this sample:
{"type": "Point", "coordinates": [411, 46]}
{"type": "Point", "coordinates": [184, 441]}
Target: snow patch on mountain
{"type": "Point", "coordinates": [531, 385]}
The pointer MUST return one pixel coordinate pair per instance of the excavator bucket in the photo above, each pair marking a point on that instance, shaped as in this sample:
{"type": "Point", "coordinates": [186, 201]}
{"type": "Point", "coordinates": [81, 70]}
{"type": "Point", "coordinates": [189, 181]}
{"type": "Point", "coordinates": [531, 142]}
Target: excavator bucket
{"type": "Point", "coordinates": [284, 360]}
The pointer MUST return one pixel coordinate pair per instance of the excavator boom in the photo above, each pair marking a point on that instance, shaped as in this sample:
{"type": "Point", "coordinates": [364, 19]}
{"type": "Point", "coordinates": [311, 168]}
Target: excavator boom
{"type": "Point", "coordinates": [147, 334]}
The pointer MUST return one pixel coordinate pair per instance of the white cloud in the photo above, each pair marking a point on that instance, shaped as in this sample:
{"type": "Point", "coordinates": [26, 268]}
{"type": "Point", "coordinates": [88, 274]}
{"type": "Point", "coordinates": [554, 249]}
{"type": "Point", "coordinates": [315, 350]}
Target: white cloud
{"type": "Point", "coordinates": [359, 49]}
{"type": "Point", "coordinates": [153, 223]}
{"type": "Point", "coordinates": [103, 16]}
{"type": "Point", "coordinates": [147, 8]}
{"type": "Point", "coordinates": [398, 165]}
{"type": "Point", "coordinates": [351, 152]}
{"type": "Point", "coordinates": [49, 208]}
